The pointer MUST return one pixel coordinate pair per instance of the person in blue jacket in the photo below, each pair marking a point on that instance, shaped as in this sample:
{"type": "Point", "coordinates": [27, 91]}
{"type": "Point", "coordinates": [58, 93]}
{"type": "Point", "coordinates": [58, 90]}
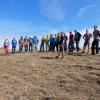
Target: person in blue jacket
{"type": "Point", "coordinates": [52, 40]}
{"type": "Point", "coordinates": [35, 43]}
{"type": "Point", "coordinates": [14, 43]}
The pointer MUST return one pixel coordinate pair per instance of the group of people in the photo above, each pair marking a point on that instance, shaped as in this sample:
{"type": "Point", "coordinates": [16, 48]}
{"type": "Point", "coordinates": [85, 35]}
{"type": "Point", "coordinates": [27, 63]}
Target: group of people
{"type": "Point", "coordinates": [56, 42]}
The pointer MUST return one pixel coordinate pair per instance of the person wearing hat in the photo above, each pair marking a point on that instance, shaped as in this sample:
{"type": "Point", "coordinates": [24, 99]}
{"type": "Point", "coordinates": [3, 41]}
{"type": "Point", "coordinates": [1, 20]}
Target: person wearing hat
{"type": "Point", "coordinates": [14, 43]}
{"type": "Point", "coordinates": [6, 46]}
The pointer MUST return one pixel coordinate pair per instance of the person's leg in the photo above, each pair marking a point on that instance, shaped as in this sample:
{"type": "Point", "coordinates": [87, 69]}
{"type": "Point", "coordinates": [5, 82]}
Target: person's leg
{"type": "Point", "coordinates": [71, 44]}
{"type": "Point", "coordinates": [50, 47]}
{"type": "Point", "coordinates": [29, 47]}
{"type": "Point", "coordinates": [78, 45]}
{"type": "Point", "coordinates": [93, 44]}
{"type": "Point", "coordinates": [12, 49]}
{"type": "Point", "coordinates": [97, 46]}
{"type": "Point", "coordinates": [69, 47]}
{"type": "Point", "coordinates": [53, 46]}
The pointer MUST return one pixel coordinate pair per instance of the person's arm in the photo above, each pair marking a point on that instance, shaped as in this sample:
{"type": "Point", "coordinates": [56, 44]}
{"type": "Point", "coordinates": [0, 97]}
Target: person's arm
{"type": "Point", "coordinates": [12, 42]}
{"type": "Point", "coordinates": [90, 35]}
{"type": "Point", "coordinates": [83, 37]}
{"type": "Point", "coordinates": [63, 41]}
{"type": "Point", "coordinates": [99, 33]}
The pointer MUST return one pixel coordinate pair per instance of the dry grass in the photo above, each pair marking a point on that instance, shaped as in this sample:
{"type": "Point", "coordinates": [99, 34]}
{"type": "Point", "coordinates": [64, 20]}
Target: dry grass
{"type": "Point", "coordinates": [39, 76]}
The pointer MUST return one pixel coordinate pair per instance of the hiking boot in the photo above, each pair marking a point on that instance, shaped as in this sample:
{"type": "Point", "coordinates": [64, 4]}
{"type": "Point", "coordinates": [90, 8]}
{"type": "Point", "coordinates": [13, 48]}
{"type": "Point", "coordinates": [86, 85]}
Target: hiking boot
{"type": "Point", "coordinates": [56, 57]}
{"type": "Point", "coordinates": [82, 51]}
{"type": "Point", "coordinates": [93, 53]}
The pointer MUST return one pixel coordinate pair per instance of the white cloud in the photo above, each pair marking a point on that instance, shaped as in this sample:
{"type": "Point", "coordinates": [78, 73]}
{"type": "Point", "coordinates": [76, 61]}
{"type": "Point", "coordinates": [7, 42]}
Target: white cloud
{"type": "Point", "coordinates": [84, 10]}
{"type": "Point", "coordinates": [53, 9]}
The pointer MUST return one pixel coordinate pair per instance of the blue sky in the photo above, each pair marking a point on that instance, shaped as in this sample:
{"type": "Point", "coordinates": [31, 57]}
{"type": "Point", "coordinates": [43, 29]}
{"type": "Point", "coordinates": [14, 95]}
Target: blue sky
{"type": "Point", "coordinates": [40, 17]}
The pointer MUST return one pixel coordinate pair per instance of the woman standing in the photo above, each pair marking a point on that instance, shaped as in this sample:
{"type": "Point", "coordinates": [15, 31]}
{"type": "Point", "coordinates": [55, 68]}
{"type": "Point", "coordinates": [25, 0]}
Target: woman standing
{"type": "Point", "coordinates": [6, 46]}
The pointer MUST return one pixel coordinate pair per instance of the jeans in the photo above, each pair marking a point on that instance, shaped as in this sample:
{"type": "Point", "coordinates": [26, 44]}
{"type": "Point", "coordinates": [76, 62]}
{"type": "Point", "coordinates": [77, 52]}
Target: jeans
{"type": "Point", "coordinates": [26, 48]}
{"type": "Point", "coordinates": [47, 46]}
{"type": "Point", "coordinates": [77, 45]}
{"type": "Point", "coordinates": [65, 46]}
{"type": "Point", "coordinates": [20, 47]}
{"type": "Point", "coordinates": [31, 47]}
{"type": "Point", "coordinates": [35, 47]}
{"type": "Point", "coordinates": [55, 45]}
{"type": "Point", "coordinates": [51, 47]}
{"type": "Point", "coordinates": [71, 46]}
{"type": "Point", "coordinates": [13, 49]}
{"type": "Point", "coordinates": [95, 43]}
{"type": "Point", "coordinates": [42, 47]}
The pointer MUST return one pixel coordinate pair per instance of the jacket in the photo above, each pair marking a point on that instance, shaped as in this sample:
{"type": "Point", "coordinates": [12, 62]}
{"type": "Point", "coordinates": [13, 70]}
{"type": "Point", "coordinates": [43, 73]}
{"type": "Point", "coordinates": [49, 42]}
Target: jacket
{"type": "Point", "coordinates": [14, 43]}
{"type": "Point", "coordinates": [6, 43]}
{"type": "Point", "coordinates": [35, 40]}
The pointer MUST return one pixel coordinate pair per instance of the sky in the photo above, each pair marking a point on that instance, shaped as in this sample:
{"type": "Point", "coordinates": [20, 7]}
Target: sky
{"type": "Point", "coordinates": [41, 17]}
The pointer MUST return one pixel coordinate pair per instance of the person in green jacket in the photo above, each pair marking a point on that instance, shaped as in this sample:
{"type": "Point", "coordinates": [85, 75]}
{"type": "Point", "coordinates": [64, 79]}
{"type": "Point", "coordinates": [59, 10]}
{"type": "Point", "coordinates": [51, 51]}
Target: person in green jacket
{"type": "Point", "coordinates": [47, 40]}
{"type": "Point", "coordinates": [55, 43]}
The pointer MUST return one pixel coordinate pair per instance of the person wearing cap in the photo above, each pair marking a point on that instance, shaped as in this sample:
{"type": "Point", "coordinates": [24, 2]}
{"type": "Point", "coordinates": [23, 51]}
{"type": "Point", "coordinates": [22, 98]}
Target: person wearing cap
{"type": "Point", "coordinates": [77, 39]}
{"type": "Point", "coordinates": [30, 44]}
{"type": "Point", "coordinates": [6, 46]}
{"type": "Point", "coordinates": [47, 40]}
{"type": "Point", "coordinates": [35, 43]}
{"type": "Point", "coordinates": [71, 42]}
{"type": "Point", "coordinates": [21, 43]}
{"type": "Point", "coordinates": [42, 44]}
{"type": "Point", "coordinates": [14, 43]}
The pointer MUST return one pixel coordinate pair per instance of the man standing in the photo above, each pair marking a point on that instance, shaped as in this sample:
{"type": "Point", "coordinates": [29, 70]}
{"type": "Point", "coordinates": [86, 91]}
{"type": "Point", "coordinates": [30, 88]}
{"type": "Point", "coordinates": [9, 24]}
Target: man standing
{"type": "Point", "coordinates": [30, 44]}
{"type": "Point", "coordinates": [61, 47]}
{"type": "Point", "coordinates": [21, 43]}
{"type": "Point", "coordinates": [55, 43]}
{"type": "Point", "coordinates": [96, 35]}
{"type": "Point", "coordinates": [14, 43]}
{"type": "Point", "coordinates": [26, 43]}
{"type": "Point", "coordinates": [47, 40]}
{"type": "Point", "coordinates": [77, 39]}
{"type": "Point", "coordinates": [87, 37]}
{"type": "Point", "coordinates": [35, 43]}
{"type": "Point", "coordinates": [71, 42]}
{"type": "Point", "coordinates": [51, 42]}
{"type": "Point", "coordinates": [42, 44]}
{"type": "Point", "coordinates": [65, 42]}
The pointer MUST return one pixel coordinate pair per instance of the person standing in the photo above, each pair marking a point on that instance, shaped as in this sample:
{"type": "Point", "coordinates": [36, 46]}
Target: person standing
{"type": "Point", "coordinates": [51, 42]}
{"type": "Point", "coordinates": [86, 37]}
{"type": "Point", "coordinates": [71, 42]}
{"type": "Point", "coordinates": [42, 44]}
{"type": "Point", "coordinates": [61, 47]}
{"type": "Point", "coordinates": [65, 42]}
{"type": "Point", "coordinates": [6, 46]}
{"type": "Point", "coordinates": [35, 43]}
{"type": "Point", "coordinates": [47, 40]}
{"type": "Point", "coordinates": [77, 39]}
{"type": "Point", "coordinates": [14, 43]}
{"type": "Point", "coordinates": [26, 41]}
{"type": "Point", "coordinates": [30, 44]}
{"type": "Point", "coordinates": [55, 43]}
{"type": "Point", "coordinates": [21, 43]}
{"type": "Point", "coordinates": [96, 36]}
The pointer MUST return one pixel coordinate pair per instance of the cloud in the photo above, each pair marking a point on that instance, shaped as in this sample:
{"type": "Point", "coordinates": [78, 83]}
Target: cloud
{"type": "Point", "coordinates": [53, 9]}
{"type": "Point", "coordinates": [83, 10]}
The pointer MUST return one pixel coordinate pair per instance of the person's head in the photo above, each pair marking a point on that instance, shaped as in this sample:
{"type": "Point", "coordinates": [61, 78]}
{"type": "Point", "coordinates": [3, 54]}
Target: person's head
{"type": "Point", "coordinates": [47, 36]}
{"type": "Point", "coordinates": [87, 30]}
{"type": "Point", "coordinates": [62, 34]}
{"type": "Point", "coordinates": [34, 36]}
{"type": "Point", "coordinates": [75, 31]}
{"type": "Point", "coordinates": [6, 38]}
{"type": "Point", "coordinates": [14, 38]}
{"type": "Point", "coordinates": [95, 27]}
{"type": "Point", "coordinates": [21, 37]}
{"type": "Point", "coordinates": [55, 35]}
{"type": "Point", "coordinates": [70, 32]}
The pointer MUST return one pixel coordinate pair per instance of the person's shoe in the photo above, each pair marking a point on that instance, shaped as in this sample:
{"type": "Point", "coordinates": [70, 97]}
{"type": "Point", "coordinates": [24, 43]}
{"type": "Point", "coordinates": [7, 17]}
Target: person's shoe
{"type": "Point", "coordinates": [56, 57]}
{"type": "Point", "coordinates": [82, 51]}
{"type": "Point", "coordinates": [93, 53]}
{"type": "Point", "coordinates": [62, 57]}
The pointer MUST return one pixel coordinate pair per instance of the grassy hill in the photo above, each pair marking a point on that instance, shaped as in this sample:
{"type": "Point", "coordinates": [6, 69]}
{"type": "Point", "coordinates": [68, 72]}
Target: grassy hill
{"type": "Point", "coordinates": [39, 76]}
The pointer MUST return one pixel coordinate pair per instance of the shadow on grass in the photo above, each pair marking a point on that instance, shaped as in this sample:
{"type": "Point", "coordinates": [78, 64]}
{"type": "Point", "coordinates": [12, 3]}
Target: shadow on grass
{"type": "Point", "coordinates": [47, 57]}
{"type": "Point", "coordinates": [76, 54]}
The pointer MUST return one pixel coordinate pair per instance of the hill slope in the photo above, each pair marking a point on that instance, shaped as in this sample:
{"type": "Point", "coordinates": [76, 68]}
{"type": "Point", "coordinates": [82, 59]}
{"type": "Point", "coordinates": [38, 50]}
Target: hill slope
{"type": "Point", "coordinates": [39, 76]}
